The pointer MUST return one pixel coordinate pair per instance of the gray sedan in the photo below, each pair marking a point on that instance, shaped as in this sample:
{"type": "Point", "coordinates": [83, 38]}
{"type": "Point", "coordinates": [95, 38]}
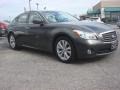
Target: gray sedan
{"type": "Point", "coordinates": [62, 34]}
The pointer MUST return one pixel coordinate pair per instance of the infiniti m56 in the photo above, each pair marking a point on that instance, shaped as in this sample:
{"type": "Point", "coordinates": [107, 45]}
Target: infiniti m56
{"type": "Point", "coordinates": [62, 34]}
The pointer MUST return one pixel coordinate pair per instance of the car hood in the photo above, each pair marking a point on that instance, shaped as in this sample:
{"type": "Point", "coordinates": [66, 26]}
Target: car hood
{"type": "Point", "coordinates": [88, 26]}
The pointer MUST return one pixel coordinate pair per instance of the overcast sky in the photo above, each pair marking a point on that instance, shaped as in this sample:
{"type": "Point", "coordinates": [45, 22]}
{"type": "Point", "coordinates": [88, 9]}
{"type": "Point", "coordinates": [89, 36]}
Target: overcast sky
{"type": "Point", "coordinates": [11, 8]}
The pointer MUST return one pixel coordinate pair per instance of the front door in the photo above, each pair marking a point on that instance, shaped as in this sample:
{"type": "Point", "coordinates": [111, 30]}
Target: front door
{"type": "Point", "coordinates": [36, 33]}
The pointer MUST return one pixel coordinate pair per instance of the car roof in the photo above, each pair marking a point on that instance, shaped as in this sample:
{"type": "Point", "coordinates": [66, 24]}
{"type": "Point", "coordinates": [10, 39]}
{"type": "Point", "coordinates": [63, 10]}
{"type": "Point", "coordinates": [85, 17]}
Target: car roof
{"type": "Point", "coordinates": [42, 11]}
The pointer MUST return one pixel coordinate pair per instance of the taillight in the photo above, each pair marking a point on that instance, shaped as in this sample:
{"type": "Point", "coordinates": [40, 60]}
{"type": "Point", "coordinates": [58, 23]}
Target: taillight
{"type": "Point", "coordinates": [3, 27]}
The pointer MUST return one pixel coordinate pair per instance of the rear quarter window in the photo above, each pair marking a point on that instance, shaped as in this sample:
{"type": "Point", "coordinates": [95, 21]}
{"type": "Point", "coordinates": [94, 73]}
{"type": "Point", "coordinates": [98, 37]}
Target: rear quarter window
{"type": "Point", "coordinates": [14, 21]}
{"type": "Point", "coordinates": [22, 18]}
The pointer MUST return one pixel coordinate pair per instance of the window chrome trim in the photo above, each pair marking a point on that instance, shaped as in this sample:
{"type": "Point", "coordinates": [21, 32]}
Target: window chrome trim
{"type": "Point", "coordinates": [100, 35]}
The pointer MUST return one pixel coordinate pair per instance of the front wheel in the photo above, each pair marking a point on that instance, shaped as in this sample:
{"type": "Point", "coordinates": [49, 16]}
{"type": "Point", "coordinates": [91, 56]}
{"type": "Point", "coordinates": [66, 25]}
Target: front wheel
{"type": "Point", "coordinates": [65, 50]}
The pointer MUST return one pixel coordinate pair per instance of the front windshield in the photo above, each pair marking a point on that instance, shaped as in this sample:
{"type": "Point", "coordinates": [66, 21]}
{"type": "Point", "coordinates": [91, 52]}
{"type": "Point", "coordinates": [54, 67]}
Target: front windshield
{"type": "Point", "coordinates": [54, 17]}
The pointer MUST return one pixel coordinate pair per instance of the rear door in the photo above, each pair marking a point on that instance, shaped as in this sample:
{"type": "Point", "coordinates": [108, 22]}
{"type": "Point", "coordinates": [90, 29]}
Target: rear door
{"type": "Point", "coordinates": [20, 28]}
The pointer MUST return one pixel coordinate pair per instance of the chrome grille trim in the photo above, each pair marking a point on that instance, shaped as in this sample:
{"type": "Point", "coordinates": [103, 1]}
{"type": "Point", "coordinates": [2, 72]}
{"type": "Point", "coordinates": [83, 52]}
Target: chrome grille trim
{"type": "Point", "coordinates": [107, 36]}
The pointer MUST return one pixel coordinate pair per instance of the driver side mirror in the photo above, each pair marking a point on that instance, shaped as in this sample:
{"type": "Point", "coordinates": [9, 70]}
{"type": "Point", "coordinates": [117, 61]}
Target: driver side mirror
{"type": "Point", "coordinates": [38, 22]}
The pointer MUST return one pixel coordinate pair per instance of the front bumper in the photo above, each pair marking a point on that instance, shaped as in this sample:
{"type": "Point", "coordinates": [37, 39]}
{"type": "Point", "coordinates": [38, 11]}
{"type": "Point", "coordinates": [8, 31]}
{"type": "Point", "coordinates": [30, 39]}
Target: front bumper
{"type": "Point", "coordinates": [93, 48]}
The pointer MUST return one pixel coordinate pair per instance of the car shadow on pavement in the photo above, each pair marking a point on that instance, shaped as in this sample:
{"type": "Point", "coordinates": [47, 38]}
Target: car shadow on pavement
{"type": "Point", "coordinates": [5, 46]}
{"type": "Point", "coordinates": [90, 60]}
{"type": "Point", "coordinates": [52, 56]}
{"type": "Point", "coordinates": [38, 52]}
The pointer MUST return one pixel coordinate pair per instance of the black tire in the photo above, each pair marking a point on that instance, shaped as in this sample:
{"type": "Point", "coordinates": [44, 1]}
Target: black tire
{"type": "Point", "coordinates": [73, 51]}
{"type": "Point", "coordinates": [16, 47]}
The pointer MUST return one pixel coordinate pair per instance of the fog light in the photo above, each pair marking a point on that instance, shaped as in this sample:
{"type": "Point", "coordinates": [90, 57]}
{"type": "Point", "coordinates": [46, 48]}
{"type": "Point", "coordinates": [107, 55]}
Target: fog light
{"type": "Point", "coordinates": [89, 51]}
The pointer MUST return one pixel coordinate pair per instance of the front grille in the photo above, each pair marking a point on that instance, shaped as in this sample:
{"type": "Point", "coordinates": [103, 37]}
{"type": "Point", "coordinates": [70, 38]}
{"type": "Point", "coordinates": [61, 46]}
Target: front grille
{"type": "Point", "coordinates": [109, 36]}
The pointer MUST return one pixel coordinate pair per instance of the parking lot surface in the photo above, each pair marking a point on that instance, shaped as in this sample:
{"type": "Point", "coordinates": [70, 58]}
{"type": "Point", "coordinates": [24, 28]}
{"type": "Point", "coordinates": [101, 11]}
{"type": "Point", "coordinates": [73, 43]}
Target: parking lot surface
{"type": "Point", "coordinates": [29, 69]}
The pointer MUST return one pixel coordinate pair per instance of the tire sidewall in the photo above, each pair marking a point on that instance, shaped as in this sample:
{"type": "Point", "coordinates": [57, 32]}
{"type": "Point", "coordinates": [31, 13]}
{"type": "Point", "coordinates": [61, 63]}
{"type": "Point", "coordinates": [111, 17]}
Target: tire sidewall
{"type": "Point", "coordinates": [73, 56]}
{"type": "Point", "coordinates": [15, 41]}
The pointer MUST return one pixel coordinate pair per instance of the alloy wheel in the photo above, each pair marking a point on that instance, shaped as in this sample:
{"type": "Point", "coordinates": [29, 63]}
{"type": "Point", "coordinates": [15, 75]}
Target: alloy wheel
{"type": "Point", "coordinates": [63, 49]}
{"type": "Point", "coordinates": [12, 41]}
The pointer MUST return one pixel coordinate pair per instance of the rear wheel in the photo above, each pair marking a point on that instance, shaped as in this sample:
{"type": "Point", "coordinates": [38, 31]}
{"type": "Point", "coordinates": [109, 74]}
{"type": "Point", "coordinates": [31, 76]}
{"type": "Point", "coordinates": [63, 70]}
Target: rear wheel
{"type": "Point", "coordinates": [12, 42]}
{"type": "Point", "coordinates": [65, 50]}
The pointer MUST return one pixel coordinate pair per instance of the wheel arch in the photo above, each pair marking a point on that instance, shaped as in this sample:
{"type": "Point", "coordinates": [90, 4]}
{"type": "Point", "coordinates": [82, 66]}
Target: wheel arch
{"type": "Point", "coordinates": [61, 35]}
{"type": "Point", "coordinates": [10, 33]}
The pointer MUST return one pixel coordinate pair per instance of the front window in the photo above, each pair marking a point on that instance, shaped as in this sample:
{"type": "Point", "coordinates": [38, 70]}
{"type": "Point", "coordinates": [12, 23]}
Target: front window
{"type": "Point", "coordinates": [54, 17]}
{"type": "Point", "coordinates": [34, 16]}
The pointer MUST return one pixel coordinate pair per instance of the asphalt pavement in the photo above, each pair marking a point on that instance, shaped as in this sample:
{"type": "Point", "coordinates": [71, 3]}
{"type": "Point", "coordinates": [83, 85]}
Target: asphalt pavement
{"type": "Point", "coordinates": [29, 69]}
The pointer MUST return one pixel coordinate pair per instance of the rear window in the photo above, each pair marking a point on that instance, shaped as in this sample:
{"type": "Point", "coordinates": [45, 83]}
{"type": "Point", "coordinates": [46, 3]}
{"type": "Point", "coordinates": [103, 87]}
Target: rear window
{"type": "Point", "coordinates": [22, 18]}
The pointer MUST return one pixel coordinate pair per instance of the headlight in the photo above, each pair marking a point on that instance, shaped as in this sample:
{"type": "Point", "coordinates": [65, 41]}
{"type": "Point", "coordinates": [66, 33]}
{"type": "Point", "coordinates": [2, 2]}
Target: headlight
{"type": "Point", "coordinates": [85, 35]}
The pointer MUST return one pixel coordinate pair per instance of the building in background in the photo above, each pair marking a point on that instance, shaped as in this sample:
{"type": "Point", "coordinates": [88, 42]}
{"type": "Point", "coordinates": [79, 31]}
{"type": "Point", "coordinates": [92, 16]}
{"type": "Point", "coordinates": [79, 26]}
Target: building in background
{"type": "Point", "coordinates": [106, 9]}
